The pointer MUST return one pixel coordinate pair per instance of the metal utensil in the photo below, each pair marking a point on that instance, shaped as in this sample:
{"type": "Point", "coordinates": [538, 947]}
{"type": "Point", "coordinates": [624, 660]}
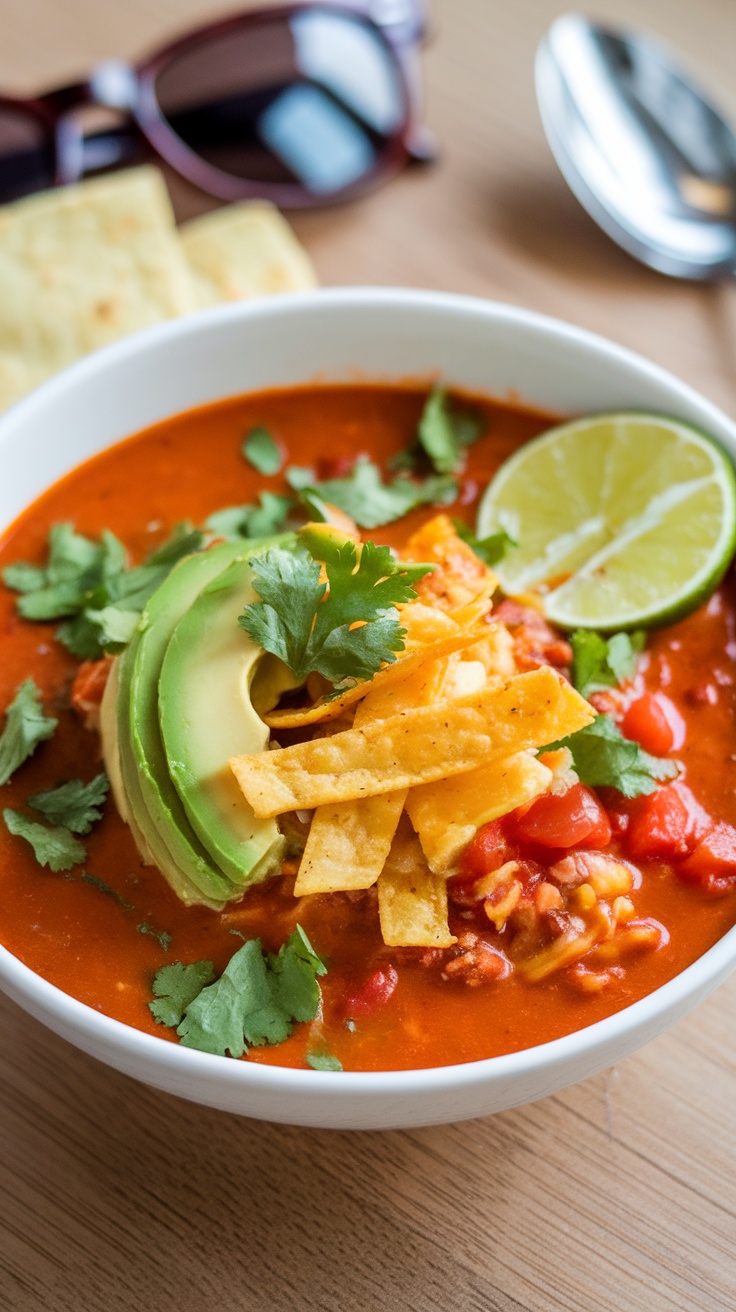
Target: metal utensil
{"type": "Point", "coordinates": [642, 148]}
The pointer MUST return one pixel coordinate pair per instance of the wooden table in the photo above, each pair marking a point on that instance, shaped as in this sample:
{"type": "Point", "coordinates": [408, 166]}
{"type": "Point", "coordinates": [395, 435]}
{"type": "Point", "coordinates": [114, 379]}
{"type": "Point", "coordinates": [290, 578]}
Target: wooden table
{"type": "Point", "coordinates": [619, 1194]}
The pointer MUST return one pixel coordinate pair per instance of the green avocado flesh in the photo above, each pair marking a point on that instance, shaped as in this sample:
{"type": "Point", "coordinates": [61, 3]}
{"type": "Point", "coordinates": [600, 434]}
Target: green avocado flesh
{"type": "Point", "coordinates": [150, 800]}
{"type": "Point", "coordinates": [206, 716]}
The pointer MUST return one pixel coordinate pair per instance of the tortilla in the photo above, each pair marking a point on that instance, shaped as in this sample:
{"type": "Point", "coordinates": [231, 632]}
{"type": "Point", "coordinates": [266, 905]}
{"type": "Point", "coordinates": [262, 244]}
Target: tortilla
{"type": "Point", "coordinates": [412, 901]}
{"type": "Point", "coordinates": [244, 250]}
{"type": "Point", "coordinates": [386, 679]}
{"type": "Point", "coordinates": [81, 266]}
{"type": "Point", "coordinates": [447, 814]}
{"type": "Point", "coordinates": [348, 842]}
{"type": "Point", "coordinates": [416, 746]}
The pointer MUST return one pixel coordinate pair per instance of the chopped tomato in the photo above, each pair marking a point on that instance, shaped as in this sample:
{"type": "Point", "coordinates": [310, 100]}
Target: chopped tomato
{"type": "Point", "coordinates": [654, 722]}
{"type": "Point", "coordinates": [373, 993]}
{"type": "Point", "coordinates": [487, 851]}
{"type": "Point", "coordinates": [90, 682]}
{"type": "Point", "coordinates": [569, 819]}
{"type": "Point", "coordinates": [88, 689]}
{"type": "Point", "coordinates": [712, 864]}
{"type": "Point", "coordinates": [666, 824]}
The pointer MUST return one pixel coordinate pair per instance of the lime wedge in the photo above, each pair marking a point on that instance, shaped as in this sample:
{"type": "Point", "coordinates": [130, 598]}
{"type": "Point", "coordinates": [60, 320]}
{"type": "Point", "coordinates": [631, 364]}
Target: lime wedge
{"type": "Point", "coordinates": [621, 520]}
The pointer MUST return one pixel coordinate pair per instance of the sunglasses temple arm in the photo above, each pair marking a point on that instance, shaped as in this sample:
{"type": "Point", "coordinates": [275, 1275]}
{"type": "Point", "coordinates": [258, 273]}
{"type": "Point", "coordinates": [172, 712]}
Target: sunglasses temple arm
{"type": "Point", "coordinates": [405, 22]}
{"type": "Point", "coordinates": [422, 146]}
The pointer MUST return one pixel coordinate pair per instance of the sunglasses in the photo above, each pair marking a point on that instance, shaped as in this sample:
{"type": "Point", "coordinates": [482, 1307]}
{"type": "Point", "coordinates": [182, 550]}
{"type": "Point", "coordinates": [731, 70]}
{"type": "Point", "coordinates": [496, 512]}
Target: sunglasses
{"type": "Point", "coordinates": [299, 104]}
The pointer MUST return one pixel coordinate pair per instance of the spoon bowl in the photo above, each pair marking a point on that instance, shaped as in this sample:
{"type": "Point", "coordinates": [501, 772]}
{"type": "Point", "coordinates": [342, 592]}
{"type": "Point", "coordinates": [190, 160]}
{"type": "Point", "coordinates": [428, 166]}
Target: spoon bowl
{"type": "Point", "coordinates": [643, 149]}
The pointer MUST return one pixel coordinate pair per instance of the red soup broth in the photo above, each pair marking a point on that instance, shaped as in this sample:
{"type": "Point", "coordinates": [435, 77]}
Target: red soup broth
{"type": "Point", "coordinates": [105, 949]}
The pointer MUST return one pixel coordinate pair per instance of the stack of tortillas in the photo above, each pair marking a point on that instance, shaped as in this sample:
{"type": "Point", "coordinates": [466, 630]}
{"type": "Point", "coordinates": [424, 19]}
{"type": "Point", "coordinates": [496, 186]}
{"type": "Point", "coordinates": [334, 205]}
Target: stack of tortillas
{"type": "Point", "coordinates": [83, 265]}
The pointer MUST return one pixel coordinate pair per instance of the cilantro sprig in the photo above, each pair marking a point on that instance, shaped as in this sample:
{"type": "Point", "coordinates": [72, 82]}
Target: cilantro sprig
{"type": "Point", "coordinates": [262, 451]}
{"type": "Point", "coordinates": [53, 846]}
{"type": "Point", "coordinates": [256, 1001]}
{"type": "Point", "coordinates": [251, 521]}
{"type": "Point", "coordinates": [75, 805]}
{"type": "Point", "coordinates": [599, 663]}
{"type": "Point", "coordinates": [345, 628]}
{"type": "Point", "coordinates": [490, 549]}
{"type": "Point", "coordinates": [603, 758]}
{"type": "Point", "coordinates": [26, 726]}
{"type": "Point", "coordinates": [363, 495]}
{"type": "Point", "coordinates": [89, 586]}
{"type": "Point", "coordinates": [445, 432]}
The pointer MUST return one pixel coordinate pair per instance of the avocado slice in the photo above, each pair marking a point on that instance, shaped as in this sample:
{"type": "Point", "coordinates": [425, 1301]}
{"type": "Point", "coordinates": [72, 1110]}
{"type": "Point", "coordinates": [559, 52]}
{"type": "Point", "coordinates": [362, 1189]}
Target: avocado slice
{"type": "Point", "coordinates": [152, 798]}
{"type": "Point", "coordinates": [206, 716]}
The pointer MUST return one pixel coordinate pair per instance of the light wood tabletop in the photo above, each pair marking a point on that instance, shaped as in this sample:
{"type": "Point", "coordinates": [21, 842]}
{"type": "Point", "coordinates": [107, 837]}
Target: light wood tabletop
{"type": "Point", "coordinates": [613, 1196]}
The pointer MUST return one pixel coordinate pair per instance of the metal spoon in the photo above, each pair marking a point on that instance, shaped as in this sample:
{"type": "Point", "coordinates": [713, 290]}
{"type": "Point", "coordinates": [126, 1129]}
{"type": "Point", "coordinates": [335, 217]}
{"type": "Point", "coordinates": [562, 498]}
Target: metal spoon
{"type": "Point", "coordinates": [642, 148]}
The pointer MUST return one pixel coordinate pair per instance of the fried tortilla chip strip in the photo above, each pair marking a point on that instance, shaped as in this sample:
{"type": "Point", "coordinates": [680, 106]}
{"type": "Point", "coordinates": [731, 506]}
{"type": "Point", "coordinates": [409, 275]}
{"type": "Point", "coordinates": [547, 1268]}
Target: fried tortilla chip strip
{"type": "Point", "coordinates": [448, 813]}
{"type": "Point", "coordinates": [412, 901]}
{"type": "Point", "coordinates": [414, 747]}
{"type": "Point", "coordinates": [389, 675]}
{"type": "Point", "coordinates": [348, 843]}
{"type": "Point", "coordinates": [460, 576]}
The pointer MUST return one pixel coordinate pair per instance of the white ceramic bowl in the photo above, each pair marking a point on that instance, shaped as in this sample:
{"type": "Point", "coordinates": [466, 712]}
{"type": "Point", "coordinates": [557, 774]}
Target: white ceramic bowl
{"type": "Point", "coordinates": [339, 335]}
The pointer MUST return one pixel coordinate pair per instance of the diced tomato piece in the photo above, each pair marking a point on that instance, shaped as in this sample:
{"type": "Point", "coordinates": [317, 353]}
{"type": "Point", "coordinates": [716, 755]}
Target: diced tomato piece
{"type": "Point", "coordinates": [570, 819]}
{"type": "Point", "coordinates": [486, 851]}
{"type": "Point", "coordinates": [372, 994]}
{"type": "Point", "coordinates": [654, 722]}
{"type": "Point", "coordinates": [666, 824]}
{"type": "Point", "coordinates": [712, 864]}
{"type": "Point", "coordinates": [88, 689]}
{"type": "Point", "coordinates": [90, 682]}
{"type": "Point", "coordinates": [334, 466]}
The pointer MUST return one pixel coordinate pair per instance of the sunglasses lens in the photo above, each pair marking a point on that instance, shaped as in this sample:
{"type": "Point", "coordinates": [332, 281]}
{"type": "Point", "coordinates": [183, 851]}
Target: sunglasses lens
{"type": "Point", "coordinates": [26, 154]}
{"type": "Point", "coordinates": [311, 100]}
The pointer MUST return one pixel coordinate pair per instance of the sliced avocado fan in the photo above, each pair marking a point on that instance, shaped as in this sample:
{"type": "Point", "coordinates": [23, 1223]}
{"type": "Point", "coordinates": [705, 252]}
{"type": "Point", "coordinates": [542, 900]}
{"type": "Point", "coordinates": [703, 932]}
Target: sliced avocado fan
{"type": "Point", "coordinates": [158, 818]}
{"type": "Point", "coordinates": [206, 716]}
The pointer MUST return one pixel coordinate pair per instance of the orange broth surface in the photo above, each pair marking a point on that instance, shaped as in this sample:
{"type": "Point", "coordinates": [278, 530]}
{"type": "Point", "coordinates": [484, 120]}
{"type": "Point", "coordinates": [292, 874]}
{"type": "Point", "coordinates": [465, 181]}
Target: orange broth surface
{"type": "Point", "coordinates": [105, 951]}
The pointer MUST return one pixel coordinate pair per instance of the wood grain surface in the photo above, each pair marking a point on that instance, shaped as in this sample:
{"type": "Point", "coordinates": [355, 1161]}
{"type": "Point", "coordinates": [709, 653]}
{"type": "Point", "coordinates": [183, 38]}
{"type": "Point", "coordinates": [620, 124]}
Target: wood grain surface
{"type": "Point", "coordinates": [618, 1195]}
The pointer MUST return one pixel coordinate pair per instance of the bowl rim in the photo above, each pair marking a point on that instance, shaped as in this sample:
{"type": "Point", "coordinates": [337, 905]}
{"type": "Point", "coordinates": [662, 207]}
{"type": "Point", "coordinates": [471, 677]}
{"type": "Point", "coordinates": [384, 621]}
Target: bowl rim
{"type": "Point", "coordinates": [51, 1004]}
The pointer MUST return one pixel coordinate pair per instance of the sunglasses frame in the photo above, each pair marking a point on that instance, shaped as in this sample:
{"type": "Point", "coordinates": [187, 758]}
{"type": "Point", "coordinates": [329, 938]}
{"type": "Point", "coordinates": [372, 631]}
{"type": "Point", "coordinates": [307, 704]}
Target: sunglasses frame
{"type": "Point", "coordinates": [400, 25]}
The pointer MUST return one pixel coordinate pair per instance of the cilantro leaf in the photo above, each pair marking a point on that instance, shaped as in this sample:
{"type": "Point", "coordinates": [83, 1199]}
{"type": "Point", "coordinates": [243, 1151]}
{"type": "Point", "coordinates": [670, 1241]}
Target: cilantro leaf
{"type": "Point", "coordinates": [239, 1006]}
{"type": "Point", "coordinates": [262, 451]}
{"type": "Point", "coordinates": [26, 726]}
{"type": "Point", "coordinates": [323, 1061]}
{"type": "Point", "coordinates": [175, 987]}
{"type": "Point", "coordinates": [255, 1001]}
{"type": "Point", "coordinates": [88, 584]}
{"type": "Point", "coordinates": [22, 577]}
{"type": "Point", "coordinates": [603, 758]}
{"type": "Point", "coordinates": [490, 549]}
{"type": "Point", "coordinates": [54, 847]}
{"type": "Point", "coordinates": [295, 972]}
{"type": "Point", "coordinates": [310, 624]}
{"type": "Point", "coordinates": [251, 521]}
{"type": "Point", "coordinates": [74, 805]}
{"type": "Point", "coordinates": [364, 496]}
{"type": "Point", "coordinates": [445, 433]}
{"type": "Point", "coordinates": [599, 662]}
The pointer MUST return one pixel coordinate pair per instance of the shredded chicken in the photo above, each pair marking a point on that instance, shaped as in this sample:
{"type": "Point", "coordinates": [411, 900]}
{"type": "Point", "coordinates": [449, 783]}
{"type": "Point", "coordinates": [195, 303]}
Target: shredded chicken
{"type": "Point", "coordinates": [475, 961]}
{"type": "Point", "coordinates": [535, 642]}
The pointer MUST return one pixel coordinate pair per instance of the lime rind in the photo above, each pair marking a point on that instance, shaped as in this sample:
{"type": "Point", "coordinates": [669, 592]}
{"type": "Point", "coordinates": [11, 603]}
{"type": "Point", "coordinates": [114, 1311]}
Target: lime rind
{"type": "Point", "coordinates": [622, 519]}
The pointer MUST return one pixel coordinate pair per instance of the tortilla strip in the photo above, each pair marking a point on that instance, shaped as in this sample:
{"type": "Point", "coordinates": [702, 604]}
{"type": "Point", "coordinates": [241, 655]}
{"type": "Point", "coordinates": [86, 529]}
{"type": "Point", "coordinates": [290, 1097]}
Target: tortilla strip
{"type": "Point", "coordinates": [447, 814]}
{"type": "Point", "coordinates": [401, 668]}
{"type": "Point", "coordinates": [348, 843]}
{"type": "Point", "coordinates": [244, 250]}
{"type": "Point", "coordinates": [412, 901]}
{"type": "Point", "coordinates": [416, 746]}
